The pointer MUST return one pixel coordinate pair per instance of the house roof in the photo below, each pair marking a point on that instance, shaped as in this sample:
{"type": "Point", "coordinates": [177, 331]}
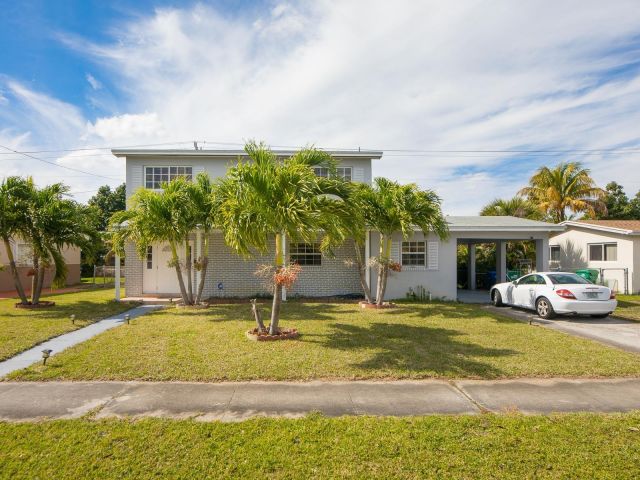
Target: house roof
{"type": "Point", "coordinates": [624, 227]}
{"type": "Point", "coordinates": [145, 152]}
{"type": "Point", "coordinates": [500, 224]}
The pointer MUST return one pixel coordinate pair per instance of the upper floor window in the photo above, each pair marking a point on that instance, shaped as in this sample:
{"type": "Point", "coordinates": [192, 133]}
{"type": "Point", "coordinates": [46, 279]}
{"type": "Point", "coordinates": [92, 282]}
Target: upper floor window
{"type": "Point", "coordinates": [414, 253]}
{"type": "Point", "coordinates": [554, 253]}
{"type": "Point", "coordinates": [342, 172]}
{"type": "Point", "coordinates": [155, 176]}
{"type": "Point", "coordinates": [305, 254]}
{"type": "Point", "coordinates": [603, 252]}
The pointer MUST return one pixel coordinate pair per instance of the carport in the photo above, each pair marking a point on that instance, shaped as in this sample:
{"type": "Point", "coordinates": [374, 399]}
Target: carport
{"type": "Point", "coordinates": [473, 231]}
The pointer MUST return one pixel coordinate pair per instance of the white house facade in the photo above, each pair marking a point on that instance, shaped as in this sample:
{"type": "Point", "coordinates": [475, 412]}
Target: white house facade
{"type": "Point", "coordinates": [427, 262]}
{"type": "Point", "coordinates": [610, 246]}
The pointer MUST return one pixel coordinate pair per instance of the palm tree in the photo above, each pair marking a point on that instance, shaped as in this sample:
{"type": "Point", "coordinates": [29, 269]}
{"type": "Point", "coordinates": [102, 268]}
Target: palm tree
{"type": "Point", "coordinates": [512, 207]}
{"type": "Point", "coordinates": [568, 186]}
{"type": "Point", "coordinates": [55, 222]}
{"type": "Point", "coordinates": [358, 227]}
{"type": "Point", "coordinates": [390, 207]}
{"type": "Point", "coordinates": [14, 195]}
{"type": "Point", "coordinates": [164, 216]}
{"type": "Point", "coordinates": [267, 198]}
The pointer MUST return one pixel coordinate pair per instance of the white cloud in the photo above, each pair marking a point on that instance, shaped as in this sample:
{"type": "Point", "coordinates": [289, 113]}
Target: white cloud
{"type": "Point", "coordinates": [394, 75]}
{"type": "Point", "coordinates": [94, 82]}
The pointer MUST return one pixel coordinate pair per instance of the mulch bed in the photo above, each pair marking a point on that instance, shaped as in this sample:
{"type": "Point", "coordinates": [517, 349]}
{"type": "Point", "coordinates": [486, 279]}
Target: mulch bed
{"type": "Point", "coordinates": [283, 334]}
{"type": "Point", "coordinates": [374, 306]}
{"type": "Point", "coordinates": [43, 304]}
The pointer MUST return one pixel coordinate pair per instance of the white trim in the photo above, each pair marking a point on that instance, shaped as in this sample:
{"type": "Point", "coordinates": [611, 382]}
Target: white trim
{"type": "Point", "coordinates": [126, 152]}
{"type": "Point", "coordinates": [602, 228]}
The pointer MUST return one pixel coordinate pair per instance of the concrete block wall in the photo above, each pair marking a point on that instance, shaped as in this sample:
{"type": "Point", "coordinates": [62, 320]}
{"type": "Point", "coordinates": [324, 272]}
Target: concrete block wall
{"type": "Point", "coordinates": [133, 268]}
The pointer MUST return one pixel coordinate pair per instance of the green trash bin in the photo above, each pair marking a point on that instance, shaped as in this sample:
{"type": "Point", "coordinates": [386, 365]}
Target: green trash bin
{"type": "Point", "coordinates": [589, 274]}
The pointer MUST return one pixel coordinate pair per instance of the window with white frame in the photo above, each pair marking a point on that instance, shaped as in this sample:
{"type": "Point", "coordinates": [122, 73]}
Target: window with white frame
{"type": "Point", "coordinates": [603, 252]}
{"type": "Point", "coordinates": [305, 253]}
{"type": "Point", "coordinates": [414, 254]}
{"type": "Point", "coordinates": [24, 255]}
{"type": "Point", "coordinates": [554, 253]}
{"type": "Point", "coordinates": [155, 176]}
{"type": "Point", "coordinates": [341, 172]}
{"type": "Point", "coordinates": [149, 257]}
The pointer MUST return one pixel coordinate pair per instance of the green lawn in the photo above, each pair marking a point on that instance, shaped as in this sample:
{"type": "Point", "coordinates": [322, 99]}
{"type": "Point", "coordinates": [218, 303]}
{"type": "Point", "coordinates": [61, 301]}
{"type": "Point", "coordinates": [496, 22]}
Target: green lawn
{"type": "Point", "coordinates": [628, 307]}
{"type": "Point", "coordinates": [21, 329]}
{"type": "Point", "coordinates": [339, 341]}
{"type": "Point", "coordinates": [472, 447]}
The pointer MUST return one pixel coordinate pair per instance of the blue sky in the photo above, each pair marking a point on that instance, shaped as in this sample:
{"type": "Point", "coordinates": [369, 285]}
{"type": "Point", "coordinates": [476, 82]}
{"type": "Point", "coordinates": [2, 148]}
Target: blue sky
{"type": "Point", "coordinates": [477, 78]}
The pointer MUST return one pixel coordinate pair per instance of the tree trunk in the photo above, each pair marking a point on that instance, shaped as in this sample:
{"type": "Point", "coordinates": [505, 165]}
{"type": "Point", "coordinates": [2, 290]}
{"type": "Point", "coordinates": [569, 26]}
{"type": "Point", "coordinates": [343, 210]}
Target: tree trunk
{"type": "Point", "coordinates": [14, 273]}
{"type": "Point", "coordinates": [204, 263]}
{"type": "Point", "coordinates": [176, 262]}
{"type": "Point", "coordinates": [277, 289]}
{"type": "Point", "coordinates": [34, 278]}
{"type": "Point", "coordinates": [36, 295]}
{"type": "Point", "coordinates": [188, 264]}
{"type": "Point", "coordinates": [361, 263]}
{"type": "Point", "coordinates": [258, 317]}
{"type": "Point", "coordinates": [382, 261]}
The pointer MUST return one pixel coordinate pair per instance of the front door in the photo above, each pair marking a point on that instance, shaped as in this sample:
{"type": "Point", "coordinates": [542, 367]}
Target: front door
{"type": "Point", "coordinates": [159, 277]}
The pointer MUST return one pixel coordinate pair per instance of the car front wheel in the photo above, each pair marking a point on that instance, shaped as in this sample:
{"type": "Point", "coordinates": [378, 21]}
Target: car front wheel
{"type": "Point", "coordinates": [544, 308]}
{"type": "Point", "coordinates": [496, 298]}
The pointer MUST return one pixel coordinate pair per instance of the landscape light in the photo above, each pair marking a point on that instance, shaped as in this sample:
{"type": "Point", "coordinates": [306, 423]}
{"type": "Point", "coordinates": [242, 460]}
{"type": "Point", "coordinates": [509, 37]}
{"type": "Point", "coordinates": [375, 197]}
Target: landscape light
{"type": "Point", "coordinates": [46, 353]}
{"type": "Point", "coordinates": [127, 317]}
{"type": "Point", "coordinates": [73, 319]}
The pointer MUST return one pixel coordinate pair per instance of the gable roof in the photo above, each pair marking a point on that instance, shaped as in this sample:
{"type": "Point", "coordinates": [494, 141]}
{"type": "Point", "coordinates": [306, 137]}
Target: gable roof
{"type": "Point", "coordinates": [625, 227]}
{"type": "Point", "coordinates": [499, 224]}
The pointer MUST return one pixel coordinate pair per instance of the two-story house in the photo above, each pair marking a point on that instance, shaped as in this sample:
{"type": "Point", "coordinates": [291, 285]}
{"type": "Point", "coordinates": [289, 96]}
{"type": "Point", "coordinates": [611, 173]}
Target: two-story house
{"type": "Point", "coordinates": [426, 261]}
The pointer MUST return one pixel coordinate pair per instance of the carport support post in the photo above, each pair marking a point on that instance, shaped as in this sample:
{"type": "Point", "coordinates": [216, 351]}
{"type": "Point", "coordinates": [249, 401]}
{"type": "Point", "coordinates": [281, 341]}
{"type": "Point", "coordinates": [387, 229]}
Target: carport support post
{"type": "Point", "coordinates": [198, 254]}
{"type": "Point", "coordinates": [367, 254]}
{"type": "Point", "coordinates": [284, 254]}
{"type": "Point", "coordinates": [471, 267]}
{"type": "Point", "coordinates": [501, 261]}
{"type": "Point", "coordinates": [542, 255]}
{"type": "Point", "coordinates": [117, 277]}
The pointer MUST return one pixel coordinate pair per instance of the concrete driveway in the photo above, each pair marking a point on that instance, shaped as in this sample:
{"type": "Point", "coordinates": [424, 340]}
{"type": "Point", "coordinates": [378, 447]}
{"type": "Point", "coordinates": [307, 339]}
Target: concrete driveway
{"type": "Point", "coordinates": [612, 331]}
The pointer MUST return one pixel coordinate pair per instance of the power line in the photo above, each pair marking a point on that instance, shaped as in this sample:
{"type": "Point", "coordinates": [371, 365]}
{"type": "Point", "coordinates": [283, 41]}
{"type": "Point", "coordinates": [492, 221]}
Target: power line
{"type": "Point", "coordinates": [83, 149]}
{"type": "Point", "coordinates": [56, 164]}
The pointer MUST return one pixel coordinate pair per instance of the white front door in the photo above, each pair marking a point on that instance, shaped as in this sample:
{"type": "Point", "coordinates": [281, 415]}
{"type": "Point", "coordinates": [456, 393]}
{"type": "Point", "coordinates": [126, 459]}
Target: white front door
{"type": "Point", "coordinates": [158, 276]}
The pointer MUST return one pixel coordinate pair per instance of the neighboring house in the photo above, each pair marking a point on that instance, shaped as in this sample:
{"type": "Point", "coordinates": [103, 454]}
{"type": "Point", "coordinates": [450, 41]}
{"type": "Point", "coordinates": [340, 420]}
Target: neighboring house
{"type": "Point", "coordinates": [610, 246]}
{"type": "Point", "coordinates": [22, 255]}
{"type": "Point", "coordinates": [426, 262]}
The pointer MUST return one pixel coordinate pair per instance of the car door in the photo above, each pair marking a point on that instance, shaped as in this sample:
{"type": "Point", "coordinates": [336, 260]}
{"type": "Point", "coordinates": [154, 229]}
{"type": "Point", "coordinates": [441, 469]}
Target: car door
{"type": "Point", "coordinates": [524, 290]}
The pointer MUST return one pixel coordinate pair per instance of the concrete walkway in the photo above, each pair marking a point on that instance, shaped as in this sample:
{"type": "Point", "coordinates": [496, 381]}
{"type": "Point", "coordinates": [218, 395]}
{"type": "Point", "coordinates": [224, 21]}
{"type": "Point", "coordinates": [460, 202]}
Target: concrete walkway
{"type": "Point", "coordinates": [66, 340]}
{"type": "Point", "coordinates": [30, 401]}
{"type": "Point", "coordinates": [611, 331]}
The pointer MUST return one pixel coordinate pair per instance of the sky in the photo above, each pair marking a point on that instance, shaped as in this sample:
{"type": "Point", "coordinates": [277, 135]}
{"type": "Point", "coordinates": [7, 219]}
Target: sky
{"type": "Point", "coordinates": [467, 98]}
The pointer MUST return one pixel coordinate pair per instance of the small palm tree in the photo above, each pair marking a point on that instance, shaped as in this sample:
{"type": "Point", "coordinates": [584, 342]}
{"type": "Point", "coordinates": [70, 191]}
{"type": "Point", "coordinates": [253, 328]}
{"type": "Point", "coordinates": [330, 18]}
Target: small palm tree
{"type": "Point", "coordinates": [512, 207]}
{"type": "Point", "coordinates": [159, 216]}
{"type": "Point", "coordinates": [267, 198]}
{"type": "Point", "coordinates": [390, 207]}
{"type": "Point", "coordinates": [14, 196]}
{"type": "Point", "coordinates": [566, 187]}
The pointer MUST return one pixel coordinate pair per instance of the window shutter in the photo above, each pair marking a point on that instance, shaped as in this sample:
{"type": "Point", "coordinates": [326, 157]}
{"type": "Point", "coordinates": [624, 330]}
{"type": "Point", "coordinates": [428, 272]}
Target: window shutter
{"type": "Point", "coordinates": [358, 174]}
{"type": "Point", "coordinates": [395, 251]}
{"type": "Point", "coordinates": [137, 176]}
{"type": "Point", "coordinates": [432, 255]}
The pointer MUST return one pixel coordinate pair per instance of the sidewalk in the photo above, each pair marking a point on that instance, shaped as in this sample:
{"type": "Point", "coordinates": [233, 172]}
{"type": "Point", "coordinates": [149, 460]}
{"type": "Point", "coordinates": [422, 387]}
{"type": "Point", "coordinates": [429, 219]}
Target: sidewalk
{"type": "Point", "coordinates": [30, 401]}
{"type": "Point", "coordinates": [66, 340]}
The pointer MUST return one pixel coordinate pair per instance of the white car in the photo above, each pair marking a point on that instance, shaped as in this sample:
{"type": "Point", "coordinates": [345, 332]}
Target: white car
{"type": "Point", "coordinates": [551, 293]}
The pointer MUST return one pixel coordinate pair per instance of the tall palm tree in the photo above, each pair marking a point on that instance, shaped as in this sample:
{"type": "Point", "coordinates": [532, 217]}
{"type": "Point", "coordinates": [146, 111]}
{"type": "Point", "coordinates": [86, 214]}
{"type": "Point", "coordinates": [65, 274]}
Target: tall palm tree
{"type": "Point", "coordinates": [512, 207]}
{"type": "Point", "coordinates": [266, 198]}
{"type": "Point", "coordinates": [162, 216]}
{"type": "Point", "coordinates": [358, 227]}
{"type": "Point", "coordinates": [55, 222]}
{"type": "Point", "coordinates": [14, 196]}
{"type": "Point", "coordinates": [390, 207]}
{"type": "Point", "coordinates": [566, 187]}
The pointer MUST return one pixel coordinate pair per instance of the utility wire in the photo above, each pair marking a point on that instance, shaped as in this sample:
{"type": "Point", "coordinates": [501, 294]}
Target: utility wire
{"type": "Point", "coordinates": [55, 164]}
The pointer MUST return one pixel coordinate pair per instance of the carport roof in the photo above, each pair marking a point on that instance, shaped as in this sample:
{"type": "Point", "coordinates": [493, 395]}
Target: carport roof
{"type": "Point", "coordinates": [499, 224]}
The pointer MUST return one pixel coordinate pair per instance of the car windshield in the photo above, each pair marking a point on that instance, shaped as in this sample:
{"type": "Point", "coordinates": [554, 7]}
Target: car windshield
{"type": "Point", "coordinates": [567, 279]}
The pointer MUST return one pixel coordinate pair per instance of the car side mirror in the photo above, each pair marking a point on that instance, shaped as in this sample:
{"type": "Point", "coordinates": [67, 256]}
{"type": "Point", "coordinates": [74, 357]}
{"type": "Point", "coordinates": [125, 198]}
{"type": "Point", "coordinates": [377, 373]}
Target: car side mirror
{"type": "Point", "coordinates": [515, 282]}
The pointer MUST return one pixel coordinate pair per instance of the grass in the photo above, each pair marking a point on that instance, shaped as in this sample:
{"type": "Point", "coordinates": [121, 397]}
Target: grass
{"type": "Point", "coordinates": [473, 447]}
{"type": "Point", "coordinates": [21, 329]}
{"type": "Point", "coordinates": [628, 307]}
{"type": "Point", "coordinates": [339, 341]}
{"type": "Point", "coordinates": [100, 281]}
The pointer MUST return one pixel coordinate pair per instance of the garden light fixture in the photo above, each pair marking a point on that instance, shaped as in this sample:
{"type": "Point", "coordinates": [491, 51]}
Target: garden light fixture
{"type": "Point", "coordinates": [73, 319]}
{"type": "Point", "coordinates": [127, 317]}
{"type": "Point", "coordinates": [46, 353]}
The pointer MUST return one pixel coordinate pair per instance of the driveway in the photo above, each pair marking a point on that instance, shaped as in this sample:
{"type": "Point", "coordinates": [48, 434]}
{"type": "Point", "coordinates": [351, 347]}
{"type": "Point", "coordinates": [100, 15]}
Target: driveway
{"type": "Point", "coordinates": [612, 331]}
